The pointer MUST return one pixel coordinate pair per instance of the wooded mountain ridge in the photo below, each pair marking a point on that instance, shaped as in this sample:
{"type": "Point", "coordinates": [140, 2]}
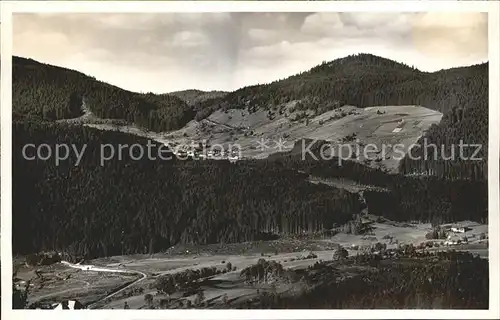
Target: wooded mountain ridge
{"type": "Point", "coordinates": [361, 80]}
{"type": "Point", "coordinates": [143, 206]}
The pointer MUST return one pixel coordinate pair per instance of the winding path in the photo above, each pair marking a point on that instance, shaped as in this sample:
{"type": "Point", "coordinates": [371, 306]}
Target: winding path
{"type": "Point", "coordinates": [100, 269]}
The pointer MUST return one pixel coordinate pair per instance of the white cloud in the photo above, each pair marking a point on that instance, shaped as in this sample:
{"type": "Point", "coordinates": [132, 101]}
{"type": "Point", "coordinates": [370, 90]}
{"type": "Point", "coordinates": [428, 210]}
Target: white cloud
{"type": "Point", "coordinates": [458, 37]}
{"type": "Point", "coordinates": [369, 20]}
{"type": "Point", "coordinates": [258, 34]}
{"type": "Point", "coordinates": [44, 43]}
{"type": "Point", "coordinates": [189, 39]}
{"type": "Point", "coordinates": [322, 23]}
{"type": "Point", "coordinates": [165, 52]}
{"type": "Point", "coordinates": [205, 17]}
{"type": "Point", "coordinates": [451, 20]}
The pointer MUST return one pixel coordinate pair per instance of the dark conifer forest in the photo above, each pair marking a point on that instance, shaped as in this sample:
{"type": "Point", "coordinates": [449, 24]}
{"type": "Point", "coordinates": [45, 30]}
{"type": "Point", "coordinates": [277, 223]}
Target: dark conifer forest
{"type": "Point", "coordinates": [146, 206]}
{"type": "Point", "coordinates": [52, 93]}
{"type": "Point", "coordinates": [446, 199]}
{"type": "Point", "coordinates": [142, 206]}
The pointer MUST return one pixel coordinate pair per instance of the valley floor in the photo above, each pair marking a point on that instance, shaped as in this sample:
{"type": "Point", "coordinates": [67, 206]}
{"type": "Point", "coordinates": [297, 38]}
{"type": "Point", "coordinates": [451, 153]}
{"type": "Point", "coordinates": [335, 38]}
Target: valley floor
{"type": "Point", "coordinates": [111, 282]}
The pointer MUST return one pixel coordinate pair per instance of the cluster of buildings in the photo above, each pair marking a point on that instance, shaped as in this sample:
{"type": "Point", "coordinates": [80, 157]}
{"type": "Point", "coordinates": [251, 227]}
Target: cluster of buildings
{"type": "Point", "coordinates": [454, 238]}
{"type": "Point", "coordinates": [202, 153]}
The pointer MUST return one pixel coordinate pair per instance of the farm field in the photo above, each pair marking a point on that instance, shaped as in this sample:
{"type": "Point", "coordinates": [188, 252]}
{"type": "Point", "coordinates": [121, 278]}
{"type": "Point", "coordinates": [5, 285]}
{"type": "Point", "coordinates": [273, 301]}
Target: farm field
{"type": "Point", "coordinates": [115, 289]}
{"type": "Point", "coordinates": [248, 133]}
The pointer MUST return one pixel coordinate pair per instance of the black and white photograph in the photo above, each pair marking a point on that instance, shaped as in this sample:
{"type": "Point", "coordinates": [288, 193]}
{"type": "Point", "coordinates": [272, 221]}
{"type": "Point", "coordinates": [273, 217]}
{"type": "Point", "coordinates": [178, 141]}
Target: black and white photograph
{"type": "Point", "coordinates": [251, 160]}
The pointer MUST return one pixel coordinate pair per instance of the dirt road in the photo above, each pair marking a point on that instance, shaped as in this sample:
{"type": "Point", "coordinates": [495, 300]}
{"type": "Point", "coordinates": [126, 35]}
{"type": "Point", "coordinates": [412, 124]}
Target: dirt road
{"type": "Point", "coordinates": [100, 269]}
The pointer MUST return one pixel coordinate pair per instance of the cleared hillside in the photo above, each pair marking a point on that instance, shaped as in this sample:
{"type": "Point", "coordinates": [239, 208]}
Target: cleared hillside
{"type": "Point", "coordinates": [347, 126]}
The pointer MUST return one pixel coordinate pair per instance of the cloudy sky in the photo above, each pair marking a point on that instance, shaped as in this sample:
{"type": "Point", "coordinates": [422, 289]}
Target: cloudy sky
{"type": "Point", "coordinates": [165, 52]}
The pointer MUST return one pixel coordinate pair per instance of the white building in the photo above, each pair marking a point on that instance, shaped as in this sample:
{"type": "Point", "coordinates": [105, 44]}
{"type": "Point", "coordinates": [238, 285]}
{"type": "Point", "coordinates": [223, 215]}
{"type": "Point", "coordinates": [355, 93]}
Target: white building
{"type": "Point", "coordinates": [68, 305]}
{"type": "Point", "coordinates": [450, 242]}
{"type": "Point", "coordinates": [458, 230]}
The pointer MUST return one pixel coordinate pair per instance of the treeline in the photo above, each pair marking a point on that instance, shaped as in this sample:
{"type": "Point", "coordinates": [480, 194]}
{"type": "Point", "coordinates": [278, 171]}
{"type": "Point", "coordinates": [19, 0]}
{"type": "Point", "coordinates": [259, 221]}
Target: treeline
{"type": "Point", "coordinates": [431, 200]}
{"type": "Point", "coordinates": [184, 280]}
{"type": "Point", "coordinates": [262, 271]}
{"type": "Point", "coordinates": [139, 206]}
{"type": "Point", "coordinates": [409, 198]}
{"type": "Point", "coordinates": [193, 96]}
{"type": "Point", "coordinates": [50, 93]}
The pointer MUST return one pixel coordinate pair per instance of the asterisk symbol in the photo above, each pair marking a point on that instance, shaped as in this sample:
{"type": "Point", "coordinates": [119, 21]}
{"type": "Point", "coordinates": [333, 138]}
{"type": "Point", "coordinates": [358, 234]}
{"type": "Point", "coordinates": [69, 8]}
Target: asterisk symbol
{"type": "Point", "coordinates": [263, 144]}
{"type": "Point", "coordinates": [281, 144]}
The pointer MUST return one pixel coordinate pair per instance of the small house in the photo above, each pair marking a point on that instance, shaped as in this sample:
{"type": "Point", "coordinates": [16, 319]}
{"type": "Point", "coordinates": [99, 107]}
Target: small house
{"type": "Point", "coordinates": [458, 229]}
{"type": "Point", "coordinates": [450, 243]}
{"type": "Point", "coordinates": [68, 305]}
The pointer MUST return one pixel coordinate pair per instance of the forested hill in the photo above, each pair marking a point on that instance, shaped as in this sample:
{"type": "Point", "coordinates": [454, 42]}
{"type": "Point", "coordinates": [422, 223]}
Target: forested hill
{"type": "Point", "coordinates": [361, 80]}
{"type": "Point", "coordinates": [149, 205]}
{"type": "Point", "coordinates": [131, 206]}
{"type": "Point", "coordinates": [49, 93]}
{"type": "Point", "coordinates": [136, 206]}
{"type": "Point", "coordinates": [364, 80]}
{"type": "Point", "coordinates": [461, 94]}
{"type": "Point", "coordinates": [194, 96]}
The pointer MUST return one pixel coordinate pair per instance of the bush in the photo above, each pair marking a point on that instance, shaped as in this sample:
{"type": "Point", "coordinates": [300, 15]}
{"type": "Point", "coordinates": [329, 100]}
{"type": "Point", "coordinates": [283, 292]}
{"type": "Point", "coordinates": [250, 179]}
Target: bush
{"type": "Point", "coordinates": [431, 235]}
{"type": "Point", "coordinates": [200, 296]}
{"type": "Point", "coordinates": [379, 247]}
{"type": "Point", "coordinates": [148, 298]}
{"type": "Point", "coordinates": [340, 253]}
{"type": "Point", "coordinates": [311, 255]}
{"type": "Point", "coordinates": [436, 233]}
{"type": "Point", "coordinates": [164, 303]}
{"type": "Point", "coordinates": [262, 271]}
